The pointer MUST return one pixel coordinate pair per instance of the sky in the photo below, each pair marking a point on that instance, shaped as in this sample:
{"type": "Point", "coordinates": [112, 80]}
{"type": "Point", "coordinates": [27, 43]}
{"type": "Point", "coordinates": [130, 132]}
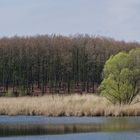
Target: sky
{"type": "Point", "coordinates": [118, 19]}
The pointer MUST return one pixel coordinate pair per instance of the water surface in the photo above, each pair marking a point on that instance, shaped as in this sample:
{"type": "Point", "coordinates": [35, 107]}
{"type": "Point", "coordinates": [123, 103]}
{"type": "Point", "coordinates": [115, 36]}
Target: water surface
{"type": "Point", "coordinates": [69, 128]}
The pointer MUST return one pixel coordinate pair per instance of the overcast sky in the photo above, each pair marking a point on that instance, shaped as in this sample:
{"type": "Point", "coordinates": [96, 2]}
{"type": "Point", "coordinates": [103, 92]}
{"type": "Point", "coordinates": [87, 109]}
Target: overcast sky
{"type": "Point", "coordinates": [119, 19]}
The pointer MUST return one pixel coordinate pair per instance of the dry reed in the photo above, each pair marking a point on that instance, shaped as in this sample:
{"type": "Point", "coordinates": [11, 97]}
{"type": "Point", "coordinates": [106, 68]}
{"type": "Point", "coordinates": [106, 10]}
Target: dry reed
{"type": "Point", "coordinates": [65, 105]}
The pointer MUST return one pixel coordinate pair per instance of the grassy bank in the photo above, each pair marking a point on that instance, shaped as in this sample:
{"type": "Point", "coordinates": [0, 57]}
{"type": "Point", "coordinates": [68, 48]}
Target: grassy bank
{"type": "Point", "coordinates": [62, 105]}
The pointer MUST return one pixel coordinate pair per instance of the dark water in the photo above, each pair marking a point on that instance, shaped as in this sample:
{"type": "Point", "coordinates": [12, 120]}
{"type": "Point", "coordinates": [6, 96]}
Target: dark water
{"type": "Point", "coordinates": [69, 128]}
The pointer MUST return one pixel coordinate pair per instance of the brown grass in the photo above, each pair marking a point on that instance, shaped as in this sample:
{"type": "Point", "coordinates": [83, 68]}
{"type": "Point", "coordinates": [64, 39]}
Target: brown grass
{"type": "Point", "coordinates": [62, 105]}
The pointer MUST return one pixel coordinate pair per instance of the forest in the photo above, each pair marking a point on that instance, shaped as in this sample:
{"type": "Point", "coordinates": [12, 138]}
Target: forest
{"type": "Point", "coordinates": [49, 64]}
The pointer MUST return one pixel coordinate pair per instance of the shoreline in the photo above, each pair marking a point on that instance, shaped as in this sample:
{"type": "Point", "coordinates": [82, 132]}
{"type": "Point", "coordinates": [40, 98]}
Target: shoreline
{"type": "Point", "coordinates": [86, 105]}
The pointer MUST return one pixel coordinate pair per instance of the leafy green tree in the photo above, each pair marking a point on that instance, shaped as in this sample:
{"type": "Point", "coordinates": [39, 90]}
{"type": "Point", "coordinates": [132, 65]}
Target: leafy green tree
{"type": "Point", "coordinates": [121, 73]}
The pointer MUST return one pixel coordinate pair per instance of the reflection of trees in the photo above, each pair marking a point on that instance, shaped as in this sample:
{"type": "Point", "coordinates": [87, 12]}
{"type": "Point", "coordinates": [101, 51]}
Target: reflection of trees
{"type": "Point", "coordinates": [121, 124]}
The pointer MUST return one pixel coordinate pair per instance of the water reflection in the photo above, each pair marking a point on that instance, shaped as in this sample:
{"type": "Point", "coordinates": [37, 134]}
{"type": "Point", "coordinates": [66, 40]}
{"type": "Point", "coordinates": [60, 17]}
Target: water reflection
{"type": "Point", "coordinates": [51, 129]}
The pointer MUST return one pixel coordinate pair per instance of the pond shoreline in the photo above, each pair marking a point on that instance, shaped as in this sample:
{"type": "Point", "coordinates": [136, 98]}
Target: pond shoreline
{"type": "Point", "coordinates": [65, 105]}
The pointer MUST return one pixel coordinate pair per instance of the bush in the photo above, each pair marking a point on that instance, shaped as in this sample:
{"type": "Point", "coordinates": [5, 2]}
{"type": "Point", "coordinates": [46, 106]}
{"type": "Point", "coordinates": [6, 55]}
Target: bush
{"type": "Point", "coordinates": [121, 83]}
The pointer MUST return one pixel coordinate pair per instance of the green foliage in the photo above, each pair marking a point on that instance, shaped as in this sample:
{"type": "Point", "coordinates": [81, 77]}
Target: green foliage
{"type": "Point", "coordinates": [121, 73]}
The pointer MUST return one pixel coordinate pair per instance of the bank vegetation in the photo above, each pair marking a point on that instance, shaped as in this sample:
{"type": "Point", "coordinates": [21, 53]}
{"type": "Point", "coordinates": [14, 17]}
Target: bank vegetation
{"type": "Point", "coordinates": [67, 105]}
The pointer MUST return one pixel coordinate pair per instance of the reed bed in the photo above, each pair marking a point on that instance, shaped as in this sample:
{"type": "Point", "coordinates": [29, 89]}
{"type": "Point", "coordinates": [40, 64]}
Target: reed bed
{"type": "Point", "coordinates": [66, 105]}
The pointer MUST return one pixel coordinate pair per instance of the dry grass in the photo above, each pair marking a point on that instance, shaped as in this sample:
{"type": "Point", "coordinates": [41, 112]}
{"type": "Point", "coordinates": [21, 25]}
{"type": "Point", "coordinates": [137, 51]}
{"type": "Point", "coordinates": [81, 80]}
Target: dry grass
{"type": "Point", "coordinates": [62, 105]}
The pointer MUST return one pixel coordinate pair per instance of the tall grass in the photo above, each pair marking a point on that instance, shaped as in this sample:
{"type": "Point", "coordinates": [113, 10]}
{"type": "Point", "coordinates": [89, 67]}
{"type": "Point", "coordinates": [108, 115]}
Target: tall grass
{"type": "Point", "coordinates": [65, 105]}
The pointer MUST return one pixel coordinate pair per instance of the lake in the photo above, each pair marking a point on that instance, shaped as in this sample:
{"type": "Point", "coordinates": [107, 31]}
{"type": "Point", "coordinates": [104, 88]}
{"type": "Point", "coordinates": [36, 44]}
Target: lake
{"type": "Point", "coordinates": [69, 128]}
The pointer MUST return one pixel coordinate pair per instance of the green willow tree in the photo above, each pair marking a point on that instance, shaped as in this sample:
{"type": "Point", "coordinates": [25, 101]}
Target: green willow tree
{"type": "Point", "coordinates": [121, 82]}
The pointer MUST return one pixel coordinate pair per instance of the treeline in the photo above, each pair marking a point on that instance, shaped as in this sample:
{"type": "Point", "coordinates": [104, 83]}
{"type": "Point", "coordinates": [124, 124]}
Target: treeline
{"type": "Point", "coordinates": [55, 64]}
